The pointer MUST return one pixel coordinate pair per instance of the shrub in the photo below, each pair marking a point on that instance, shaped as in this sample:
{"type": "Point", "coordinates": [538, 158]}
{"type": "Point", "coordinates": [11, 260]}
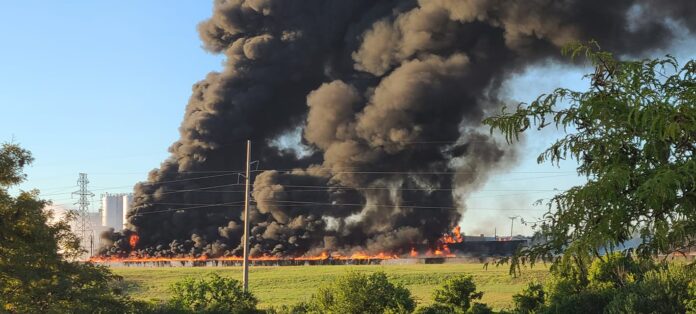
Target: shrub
{"type": "Point", "coordinates": [212, 294]}
{"type": "Point", "coordinates": [616, 269]}
{"type": "Point", "coordinates": [531, 299]}
{"type": "Point", "coordinates": [434, 309]}
{"type": "Point", "coordinates": [663, 290]}
{"type": "Point", "coordinates": [587, 300]}
{"type": "Point", "coordinates": [613, 284]}
{"type": "Point", "coordinates": [480, 308]}
{"type": "Point", "coordinates": [458, 293]}
{"type": "Point", "coordinates": [691, 304]}
{"type": "Point", "coordinates": [359, 293]}
{"type": "Point", "coordinates": [297, 308]}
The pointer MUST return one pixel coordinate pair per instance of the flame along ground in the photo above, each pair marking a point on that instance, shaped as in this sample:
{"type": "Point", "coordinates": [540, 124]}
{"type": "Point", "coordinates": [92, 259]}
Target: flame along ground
{"type": "Point", "coordinates": [442, 250]}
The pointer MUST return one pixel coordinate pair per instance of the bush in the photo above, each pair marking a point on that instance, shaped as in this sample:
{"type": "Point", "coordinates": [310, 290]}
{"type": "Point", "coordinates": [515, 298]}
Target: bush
{"type": "Point", "coordinates": [616, 269]}
{"type": "Point", "coordinates": [566, 297]}
{"type": "Point", "coordinates": [458, 293]}
{"type": "Point", "coordinates": [212, 294]}
{"type": "Point", "coordinates": [531, 299]}
{"type": "Point", "coordinates": [359, 293]}
{"type": "Point", "coordinates": [613, 284]}
{"type": "Point", "coordinates": [663, 290]}
{"type": "Point", "coordinates": [691, 305]}
{"type": "Point", "coordinates": [434, 309]}
{"type": "Point", "coordinates": [298, 308]}
{"type": "Point", "coordinates": [480, 308]}
{"type": "Point", "coordinates": [456, 296]}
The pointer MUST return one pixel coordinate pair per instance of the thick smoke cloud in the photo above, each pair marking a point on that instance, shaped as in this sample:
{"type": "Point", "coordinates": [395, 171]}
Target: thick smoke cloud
{"type": "Point", "coordinates": [388, 96]}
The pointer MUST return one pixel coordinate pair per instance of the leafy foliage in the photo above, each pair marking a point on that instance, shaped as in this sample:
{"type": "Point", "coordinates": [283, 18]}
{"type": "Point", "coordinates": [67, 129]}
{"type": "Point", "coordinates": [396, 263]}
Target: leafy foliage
{"type": "Point", "coordinates": [213, 294]}
{"type": "Point", "coordinates": [615, 284]}
{"type": "Point", "coordinates": [37, 271]}
{"type": "Point", "coordinates": [359, 293]}
{"type": "Point", "coordinates": [531, 299]}
{"type": "Point", "coordinates": [436, 308]}
{"type": "Point", "coordinates": [457, 295]}
{"type": "Point", "coordinates": [661, 290]}
{"type": "Point", "coordinates": [297, 308]}
{"type": "Point", "coordinates": [633, 134]}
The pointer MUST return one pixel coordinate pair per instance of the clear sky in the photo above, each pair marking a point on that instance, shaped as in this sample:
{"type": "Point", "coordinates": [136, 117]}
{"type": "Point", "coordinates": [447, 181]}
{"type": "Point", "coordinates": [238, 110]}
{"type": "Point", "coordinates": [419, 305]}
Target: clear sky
{"type": "Point", "coordinates": [100, 87]}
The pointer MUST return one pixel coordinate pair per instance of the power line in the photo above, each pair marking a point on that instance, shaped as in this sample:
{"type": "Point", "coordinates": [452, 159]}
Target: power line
{"type": "Point", "coordinates": [295, 203]}
{"type": "Point", "coordinates": [309, 186]}
{"type": "Point", "coordinates": [188, 208]}
{"type": "Point", "coordinates": [347, 170]}
{"type": "Point", "coordinates": [412, 172]}
{"type": "Point", "coordinates": [199, 204]}
{"type": "Point", "coordinates": [150, 183]}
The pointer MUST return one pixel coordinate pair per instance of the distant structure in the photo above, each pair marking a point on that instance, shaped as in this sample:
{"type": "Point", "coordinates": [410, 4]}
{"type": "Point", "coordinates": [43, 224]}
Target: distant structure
{"type": "Point", "coordinates": [115, 208]}
{"type": "Point", "coordinates": [83, 223]}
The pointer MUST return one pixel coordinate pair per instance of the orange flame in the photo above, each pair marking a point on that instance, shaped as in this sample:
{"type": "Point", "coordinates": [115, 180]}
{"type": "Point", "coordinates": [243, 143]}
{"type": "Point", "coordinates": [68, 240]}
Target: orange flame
{"type": "Point", "coordinates": [455, 237]}
{"type": "Point", "coordinates": [134, 258]}
{"type": "Point", "coordinates": [441, 250]}
{"type": "Point", "coordinates": [133, 240]}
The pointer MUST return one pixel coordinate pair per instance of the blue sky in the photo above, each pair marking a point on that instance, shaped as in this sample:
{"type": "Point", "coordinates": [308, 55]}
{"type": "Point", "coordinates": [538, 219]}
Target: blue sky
{"type": "Point", "coordinates": [100, 87]}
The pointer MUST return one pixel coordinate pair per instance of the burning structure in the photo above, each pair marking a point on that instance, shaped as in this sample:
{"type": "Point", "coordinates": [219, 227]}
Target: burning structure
{"type": "Point", "coordinates": [387, 99]}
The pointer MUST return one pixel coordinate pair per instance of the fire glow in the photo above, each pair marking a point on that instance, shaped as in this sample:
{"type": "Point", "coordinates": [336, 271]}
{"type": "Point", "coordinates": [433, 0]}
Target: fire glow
{"type": "Point", "coordinates": [133, 241]}
{"type": "Point", "coordinates": [441, 250]}
{"type": "Point", "coordinates": [323, 256]}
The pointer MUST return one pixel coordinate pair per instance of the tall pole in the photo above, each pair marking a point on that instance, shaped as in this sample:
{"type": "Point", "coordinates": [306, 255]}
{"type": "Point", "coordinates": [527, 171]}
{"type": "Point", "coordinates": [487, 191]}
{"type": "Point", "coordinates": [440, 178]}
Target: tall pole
{"type": "Point", "coordinates": [245, 278]}
{"type": "Point", "coordinates": [512, 222]}
{"type": "Point", "coordinates": [83, 223]}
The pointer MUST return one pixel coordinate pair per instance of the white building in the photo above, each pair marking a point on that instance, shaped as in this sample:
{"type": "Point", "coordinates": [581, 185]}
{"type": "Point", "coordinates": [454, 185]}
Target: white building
{"type": "Point", "coordinates": [115, 208]}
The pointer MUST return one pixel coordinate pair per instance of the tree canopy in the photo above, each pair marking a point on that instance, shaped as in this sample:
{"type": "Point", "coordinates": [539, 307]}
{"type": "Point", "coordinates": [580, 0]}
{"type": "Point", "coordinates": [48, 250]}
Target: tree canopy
{"type": "Point", "coordinates": [359, 293]}
{"type": "Point", "coordinates": [37, 271]}
{"type": "Point", "coordinates": [633, 134]}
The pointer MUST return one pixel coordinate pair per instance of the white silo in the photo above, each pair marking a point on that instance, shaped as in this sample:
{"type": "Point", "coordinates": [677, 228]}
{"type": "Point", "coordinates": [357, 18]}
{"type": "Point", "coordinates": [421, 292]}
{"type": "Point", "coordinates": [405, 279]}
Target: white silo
{"type": "Point", "coordinates": [127, 201]}
{"type": "Point", "coordinates": [112, 211]}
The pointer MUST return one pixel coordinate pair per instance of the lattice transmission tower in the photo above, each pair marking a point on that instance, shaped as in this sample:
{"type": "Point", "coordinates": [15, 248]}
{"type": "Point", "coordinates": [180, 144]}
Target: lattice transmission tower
{"type": "Point", "coordinates": [83, 222]}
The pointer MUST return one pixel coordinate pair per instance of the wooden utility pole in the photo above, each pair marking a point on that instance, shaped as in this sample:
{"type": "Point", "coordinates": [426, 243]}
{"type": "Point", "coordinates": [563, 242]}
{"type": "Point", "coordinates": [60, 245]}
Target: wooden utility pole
{"type": "Point", "coordinates": [245, 278]}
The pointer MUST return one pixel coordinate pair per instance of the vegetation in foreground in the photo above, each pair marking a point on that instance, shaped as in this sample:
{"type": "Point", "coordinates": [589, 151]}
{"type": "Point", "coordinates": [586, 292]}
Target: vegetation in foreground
{"type": "Point", "coordinates": [613, 284]}
{"type": "Point", "coordinates": [632, 134]}
{"type": "Point", "coordinates": [38, 271]}
{"type": "Point", "coordinates": [634, 138]}
{"type": "Point", "coordinates": [275, 286]}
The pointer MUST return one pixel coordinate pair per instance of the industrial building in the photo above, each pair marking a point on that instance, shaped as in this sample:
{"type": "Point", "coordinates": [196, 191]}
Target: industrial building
{"type": "Point", "coordinates": [114, 209]}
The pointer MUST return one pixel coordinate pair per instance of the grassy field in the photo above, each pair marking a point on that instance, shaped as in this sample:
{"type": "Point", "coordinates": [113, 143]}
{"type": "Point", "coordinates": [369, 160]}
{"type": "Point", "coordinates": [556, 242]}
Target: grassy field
{"type": "Point", "coordinates": [290, 284]}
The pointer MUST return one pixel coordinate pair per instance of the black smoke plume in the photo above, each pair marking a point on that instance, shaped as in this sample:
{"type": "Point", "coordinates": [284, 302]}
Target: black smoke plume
{"type": "Point", "coordinates": [388, 97]}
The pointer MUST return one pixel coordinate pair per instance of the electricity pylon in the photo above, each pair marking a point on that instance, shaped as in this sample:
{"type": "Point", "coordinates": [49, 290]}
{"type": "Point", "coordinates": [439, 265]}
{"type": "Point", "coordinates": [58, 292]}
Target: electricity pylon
{"type": "Point", "coordinates": [83, 224]}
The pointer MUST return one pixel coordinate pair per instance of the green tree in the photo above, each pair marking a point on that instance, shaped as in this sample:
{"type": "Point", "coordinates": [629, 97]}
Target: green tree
{"type": "Point", "coordinates": [38, 273]}
{"type": "Point", "coordinates": [531, 299]}
{"type": "Point", "coordinates": [615, 284]}
{"type": "Point", "coordinates": [213, 294]}
{"type": "Point", "coordinates": [457, 295]}
{"type": "Point", "coordinates": [661, 290]}
{"type": "Point", "coordinates": [458, 292]}
{"type": "Point", "coordinates": [359, 293]}
{"type": "Point", "coordinates": [633, 134]}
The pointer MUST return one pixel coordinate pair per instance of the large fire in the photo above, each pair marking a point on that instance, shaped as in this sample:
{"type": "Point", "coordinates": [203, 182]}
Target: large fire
{"type": "Point", "coordinates": [440, 250]}
{"type": "Point", "coordinates": [134, 258]}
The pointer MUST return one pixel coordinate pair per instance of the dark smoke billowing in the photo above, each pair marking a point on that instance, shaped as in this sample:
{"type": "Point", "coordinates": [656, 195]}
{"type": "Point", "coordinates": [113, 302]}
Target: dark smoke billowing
{"type": "Point", "coordinates": [388, 96]}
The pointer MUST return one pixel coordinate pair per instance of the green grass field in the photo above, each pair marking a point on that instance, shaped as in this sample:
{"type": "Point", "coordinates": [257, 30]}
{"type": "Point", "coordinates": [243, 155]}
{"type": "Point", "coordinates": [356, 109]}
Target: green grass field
{"type": "Point", "coordinates": [289, 284]}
